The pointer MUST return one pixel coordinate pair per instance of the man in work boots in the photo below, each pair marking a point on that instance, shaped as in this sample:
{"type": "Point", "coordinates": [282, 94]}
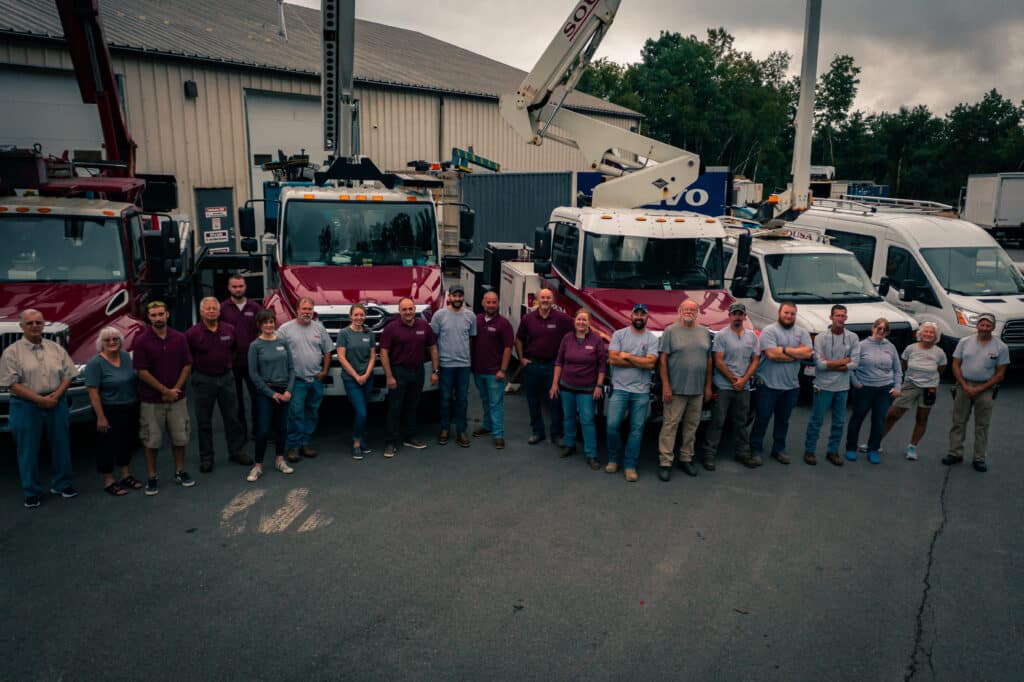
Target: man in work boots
{"type": "Point", "coordinates": [735, 354]}
{"type": "Point", "coordinates": [979, 366]}
{"type": "Point", "coordinates": [212, 344]}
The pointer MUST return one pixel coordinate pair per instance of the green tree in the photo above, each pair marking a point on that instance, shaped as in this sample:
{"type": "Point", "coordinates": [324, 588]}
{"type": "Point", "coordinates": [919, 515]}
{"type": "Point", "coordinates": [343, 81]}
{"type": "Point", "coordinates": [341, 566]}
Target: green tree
{"type": "Point", "coordinates": [834, 95]}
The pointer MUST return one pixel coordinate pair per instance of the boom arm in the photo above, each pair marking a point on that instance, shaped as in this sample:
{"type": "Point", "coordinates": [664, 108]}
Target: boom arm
{"type": "Point", "coordinates": [537, 105]}
{"type": "Point", "coordinates": [94, 70]}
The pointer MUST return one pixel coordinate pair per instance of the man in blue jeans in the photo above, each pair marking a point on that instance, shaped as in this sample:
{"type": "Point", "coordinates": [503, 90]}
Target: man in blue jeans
{"type": "Point", "coordinates": [833, 362]}
{"type": "Point", "coordinates": [783, 347]}
{"type": "Point", "coordinates": [537, 340]}
{"type": "Point", "coordinates": [311, 348]}
{"type": "Point", "coordinates": [492, 350]}
{"type": "Point", "coordinates": [632, 354]}
{"type": "Point", "coordinates": [38, 372]}
{"type": "Point", "coordinates": [454, 326]}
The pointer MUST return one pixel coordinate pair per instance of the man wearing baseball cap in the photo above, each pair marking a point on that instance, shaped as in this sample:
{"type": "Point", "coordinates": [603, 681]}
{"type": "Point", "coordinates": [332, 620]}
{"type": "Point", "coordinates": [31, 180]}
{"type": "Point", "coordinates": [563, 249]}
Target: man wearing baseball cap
{"type": "Point", "coordinates": [453, 326]}
{"type": "Point", "coordinates": [979, 365]}
{"type": "Point", "coordinates": [736, 354]}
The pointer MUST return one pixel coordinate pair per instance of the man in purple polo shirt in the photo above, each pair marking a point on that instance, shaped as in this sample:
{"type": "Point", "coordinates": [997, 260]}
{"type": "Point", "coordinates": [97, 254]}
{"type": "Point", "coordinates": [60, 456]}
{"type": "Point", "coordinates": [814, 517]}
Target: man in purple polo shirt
{"type": "Point", "coordinates": [403, 346]}
{"type": "Point", "coordinates": [537, 339]}
{"type": "Point", "coordinates": [163, 361]}
{"type": "Point", "coordinates": [491, 352]}
{"type": "Point", "coordinates": [212, 344]}
{"type": "Point", "coordinates": [240, 313]}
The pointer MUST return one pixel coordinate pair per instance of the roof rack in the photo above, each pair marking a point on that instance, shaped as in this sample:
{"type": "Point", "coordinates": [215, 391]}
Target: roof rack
{"type": "Point", "coordinates": [887, 204]}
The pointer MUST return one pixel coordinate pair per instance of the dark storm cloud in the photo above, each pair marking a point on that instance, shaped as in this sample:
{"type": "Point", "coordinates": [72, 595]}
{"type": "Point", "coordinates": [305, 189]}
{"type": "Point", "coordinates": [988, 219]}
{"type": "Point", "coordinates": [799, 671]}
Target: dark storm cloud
{"type": "Point", "coordinates": [937, 53]}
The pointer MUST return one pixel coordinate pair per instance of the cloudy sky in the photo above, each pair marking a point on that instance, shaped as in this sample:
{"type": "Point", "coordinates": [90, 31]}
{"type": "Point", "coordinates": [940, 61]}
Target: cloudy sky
{"type": "Point", "coordinates": [933, 52]}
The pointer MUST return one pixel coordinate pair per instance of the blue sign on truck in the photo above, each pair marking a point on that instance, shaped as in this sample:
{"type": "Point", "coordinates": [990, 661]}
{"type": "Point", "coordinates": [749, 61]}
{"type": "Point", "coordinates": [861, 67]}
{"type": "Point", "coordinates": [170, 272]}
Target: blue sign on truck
{"type": "Point", "coordinates": [708, 194]}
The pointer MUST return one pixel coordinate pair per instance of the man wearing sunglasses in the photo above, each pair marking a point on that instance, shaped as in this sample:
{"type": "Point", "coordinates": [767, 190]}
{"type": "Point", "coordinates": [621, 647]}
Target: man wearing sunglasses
{"type": "Point", "coordinates": [37, 372]}
{"type": "Point", "coordinates": [632, 354]}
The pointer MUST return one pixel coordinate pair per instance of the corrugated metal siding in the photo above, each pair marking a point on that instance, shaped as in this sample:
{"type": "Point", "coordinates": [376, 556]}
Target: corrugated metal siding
{"type": "Point", "coordinates": [510, 206]}
{"type": "Point", "coordinates": [397, 126]}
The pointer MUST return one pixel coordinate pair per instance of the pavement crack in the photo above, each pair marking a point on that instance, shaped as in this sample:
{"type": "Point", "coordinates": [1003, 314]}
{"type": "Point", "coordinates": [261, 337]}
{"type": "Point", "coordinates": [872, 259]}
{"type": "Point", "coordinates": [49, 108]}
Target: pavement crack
{"type": "Point", "coordinates": [920, 650]}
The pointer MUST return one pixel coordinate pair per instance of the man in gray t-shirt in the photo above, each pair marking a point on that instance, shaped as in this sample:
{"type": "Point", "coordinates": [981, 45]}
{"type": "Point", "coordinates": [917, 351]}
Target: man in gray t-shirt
{"type": "Point", "coordinates": [685, 370]}
{"type": "Point", "coordinates": [735, 353]}
{"type": "Point", "coordinates": [979, 366]}
{"type": "Point", "coordinates": [784, 346]}
{"type": "Point", "coordinates": [632, 354]}
{"type": "Point", "coordinates": [454, 325]}
{"type": "Point", "coordinates": [311, 347]}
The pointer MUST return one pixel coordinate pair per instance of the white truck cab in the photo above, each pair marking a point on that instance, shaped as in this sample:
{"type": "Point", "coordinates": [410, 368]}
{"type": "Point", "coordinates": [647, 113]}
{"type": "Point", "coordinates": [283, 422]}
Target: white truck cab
{"type": "Point", "coordinates": [799, 265]}
{"type": "Point", "coordinates": [940, 269]}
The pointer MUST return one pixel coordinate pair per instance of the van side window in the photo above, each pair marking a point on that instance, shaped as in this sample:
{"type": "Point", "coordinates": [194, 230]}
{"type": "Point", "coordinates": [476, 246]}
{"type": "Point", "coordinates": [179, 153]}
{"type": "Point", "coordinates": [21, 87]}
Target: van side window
{"type": "Point", "coordinates": [861, 246]}
{"type": "Point", "coordinates": [902, 269]}
{"type": "Point", "coordinates": [564, 248]}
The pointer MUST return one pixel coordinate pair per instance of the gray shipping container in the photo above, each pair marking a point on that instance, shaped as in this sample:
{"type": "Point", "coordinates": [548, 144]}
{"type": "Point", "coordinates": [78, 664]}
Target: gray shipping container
{"type": "Point", "coordinates": [510, 206]}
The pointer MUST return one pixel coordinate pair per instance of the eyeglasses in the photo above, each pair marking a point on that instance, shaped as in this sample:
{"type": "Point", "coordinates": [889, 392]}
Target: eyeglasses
{"type": "Point", "coordinates": [112, 339]}
{"type": "Point", "coordinates": [884, 330]}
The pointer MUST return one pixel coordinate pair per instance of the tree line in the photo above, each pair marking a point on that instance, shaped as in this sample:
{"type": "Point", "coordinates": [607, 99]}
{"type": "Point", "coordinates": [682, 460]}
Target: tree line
{"type": "Point", "coordinates": [733, 110]}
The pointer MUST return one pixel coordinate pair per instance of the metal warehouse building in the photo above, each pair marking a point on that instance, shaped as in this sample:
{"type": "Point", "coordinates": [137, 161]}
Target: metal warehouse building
{"type": "Point", "coordinates": [256, 92]}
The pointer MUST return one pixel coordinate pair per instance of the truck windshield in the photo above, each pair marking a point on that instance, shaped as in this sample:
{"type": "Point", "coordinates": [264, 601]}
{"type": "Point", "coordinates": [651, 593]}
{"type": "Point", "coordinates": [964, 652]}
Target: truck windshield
{"type": "Point", "coordinates": [359, 233]}
{"type": "Point", "coordinates": [974, 270]}
{"type": "Point", "coordinates": [49, 248]}
{"type": "Point", "coordinates": [818, 278]}
{"type": "Point", "coordinates": [620, 262]}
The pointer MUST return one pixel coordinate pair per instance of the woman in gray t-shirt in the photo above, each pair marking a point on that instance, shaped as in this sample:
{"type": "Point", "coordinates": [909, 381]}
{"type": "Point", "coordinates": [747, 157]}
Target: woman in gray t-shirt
{"type": "Point", "coordinates": [111, 382]}
{"type": "Point", "coordinates": [357, 355]}
{"type": "Point", "coordinates": [923, 362]}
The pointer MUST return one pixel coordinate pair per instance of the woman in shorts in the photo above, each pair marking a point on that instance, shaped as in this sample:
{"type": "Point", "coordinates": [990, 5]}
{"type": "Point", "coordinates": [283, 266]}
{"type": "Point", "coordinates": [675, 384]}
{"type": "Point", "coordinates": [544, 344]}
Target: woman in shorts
{"type": "Point", "coordinates": [923, 363]}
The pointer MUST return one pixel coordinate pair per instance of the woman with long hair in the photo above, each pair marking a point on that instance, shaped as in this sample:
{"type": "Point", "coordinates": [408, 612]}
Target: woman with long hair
{"type": "Point", "coordinates": [579, 380]}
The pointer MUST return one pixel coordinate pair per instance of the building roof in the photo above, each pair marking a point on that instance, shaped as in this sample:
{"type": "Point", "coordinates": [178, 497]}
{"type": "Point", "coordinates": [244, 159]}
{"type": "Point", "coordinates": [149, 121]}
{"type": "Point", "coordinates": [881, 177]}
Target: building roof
{"type": "Point", "coordinates": [245, 33]}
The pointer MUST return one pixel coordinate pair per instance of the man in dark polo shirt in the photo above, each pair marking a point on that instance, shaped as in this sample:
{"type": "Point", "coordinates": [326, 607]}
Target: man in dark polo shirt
{"type": "Point", "coordinates": [491, 352]}
{"type": "Point", "coordinates": [240, 313]}
{"type": "Point", "coordinates": [212, 344]}
{"type": "Point", "coordinates": [162, 359]}
{"type": "Point", "coordinates": [537, 339]}
{"type": "Point", "coordinates": [403, 346]}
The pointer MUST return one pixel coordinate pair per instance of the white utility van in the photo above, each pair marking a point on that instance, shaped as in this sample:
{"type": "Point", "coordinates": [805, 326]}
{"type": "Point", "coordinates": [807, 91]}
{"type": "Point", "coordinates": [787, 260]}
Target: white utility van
{"type": "Point", "coordinates": [940, 269]}
{"type": "Point", "coordinates": [799, 265]}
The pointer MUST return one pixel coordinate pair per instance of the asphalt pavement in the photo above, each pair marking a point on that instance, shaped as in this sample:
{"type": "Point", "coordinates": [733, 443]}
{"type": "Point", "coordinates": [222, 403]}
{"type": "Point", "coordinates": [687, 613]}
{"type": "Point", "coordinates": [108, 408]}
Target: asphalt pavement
{"type": "Point", "coordinates": [475, 564]}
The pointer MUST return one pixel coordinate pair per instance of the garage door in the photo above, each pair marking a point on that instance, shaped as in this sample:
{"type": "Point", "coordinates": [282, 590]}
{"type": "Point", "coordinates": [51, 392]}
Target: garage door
{"type": "Point", "coordinates": [289, 123]}
{"type": "Point", "coordinates": [45, 107]}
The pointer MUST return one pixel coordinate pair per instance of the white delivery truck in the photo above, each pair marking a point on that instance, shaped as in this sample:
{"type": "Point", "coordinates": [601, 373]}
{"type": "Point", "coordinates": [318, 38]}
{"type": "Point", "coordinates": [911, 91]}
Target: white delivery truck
{"type": "Point", "coordinates": [799, 265]}
{"type": "Point", "coordinates": [942, 270]}
{"type": "Point", "coordinates": [995, 202]}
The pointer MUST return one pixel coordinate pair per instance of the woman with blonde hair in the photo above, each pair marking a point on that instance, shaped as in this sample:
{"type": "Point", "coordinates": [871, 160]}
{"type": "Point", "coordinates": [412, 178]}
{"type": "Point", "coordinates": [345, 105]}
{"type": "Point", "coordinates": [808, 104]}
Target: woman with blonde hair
{"type": "Point", "coordinates": [111, 382]}
{"type": "Point", "coordinates": [923, 363]}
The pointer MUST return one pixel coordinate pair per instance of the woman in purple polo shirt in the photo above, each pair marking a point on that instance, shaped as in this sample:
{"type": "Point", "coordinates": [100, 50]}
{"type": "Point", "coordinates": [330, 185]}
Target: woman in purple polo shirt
{"type": "Point", "coordinates": [579, 379]}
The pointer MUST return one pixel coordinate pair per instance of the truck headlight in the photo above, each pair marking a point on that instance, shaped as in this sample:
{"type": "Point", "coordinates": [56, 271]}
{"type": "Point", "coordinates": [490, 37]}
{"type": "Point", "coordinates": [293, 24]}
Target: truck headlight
{"type": "Point", "coordinates": [965, 317]}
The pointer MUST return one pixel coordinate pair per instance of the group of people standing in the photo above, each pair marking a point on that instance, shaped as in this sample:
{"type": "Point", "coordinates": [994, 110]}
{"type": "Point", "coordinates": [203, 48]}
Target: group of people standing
{"type": "Point", "coordinates": [238, 346]}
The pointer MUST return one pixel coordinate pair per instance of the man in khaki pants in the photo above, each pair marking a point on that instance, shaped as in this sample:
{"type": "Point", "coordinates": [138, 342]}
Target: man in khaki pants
{"type": "Point", "coordinates": [685, 369]}
{"type": "Point", "coordinates": [979, 365]}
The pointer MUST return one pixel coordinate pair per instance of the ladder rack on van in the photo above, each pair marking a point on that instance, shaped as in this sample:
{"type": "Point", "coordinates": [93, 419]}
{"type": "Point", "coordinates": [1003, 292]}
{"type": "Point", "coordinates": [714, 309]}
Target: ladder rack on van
{"type": "Point", "coordinates": [887, 204]}
{"type": "Point", "coordinates": [774, 230]}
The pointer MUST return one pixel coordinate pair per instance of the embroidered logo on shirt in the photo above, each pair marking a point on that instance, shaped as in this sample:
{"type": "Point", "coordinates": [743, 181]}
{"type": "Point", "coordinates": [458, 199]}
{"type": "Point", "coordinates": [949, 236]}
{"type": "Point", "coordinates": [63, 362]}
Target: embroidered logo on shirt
{"type": "Point", "coordinates": [225, 338]}
{"type": "Point", "coordinates": [551, 326]}
{"type": "Point", "coordinates": [248, 313]}
{"type": "Point", "coordinates": [420, 332]}
{"type": "Point", "coordinates": [279, 348]}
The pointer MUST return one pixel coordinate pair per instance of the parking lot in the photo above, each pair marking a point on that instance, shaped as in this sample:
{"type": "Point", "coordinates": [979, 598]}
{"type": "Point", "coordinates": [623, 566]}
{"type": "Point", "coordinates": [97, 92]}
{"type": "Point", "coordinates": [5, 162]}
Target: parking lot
{"type": "Point", "coordinates": [474, 564]}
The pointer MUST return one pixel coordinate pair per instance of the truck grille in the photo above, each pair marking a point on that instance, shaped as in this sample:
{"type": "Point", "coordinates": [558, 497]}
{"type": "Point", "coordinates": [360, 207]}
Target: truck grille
{"type": "Point", "coordinates": [56, 332]}
{"type": "Point", "coordinates": [1013, 333]}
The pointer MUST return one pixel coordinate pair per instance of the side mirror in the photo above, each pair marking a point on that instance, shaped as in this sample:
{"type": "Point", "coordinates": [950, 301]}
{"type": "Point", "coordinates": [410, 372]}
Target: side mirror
{"type": "Point", "coordinates": [249, 245]}
{"type": "Point", "coordinates": [743, 245]}
{"type": "Point", "coordinates": [467, 225]}
{"type": "Point", "coordinates": [170, 239]}
{"type": "Point", "coordinates": [911, 291]}
{"type": "Point", "coordinates": [542, 244]}
{"type": "Point", "coordinates": [465, 246]}
{"type": "Point", "coordinates": [755, 293]}
{"type": "Point", "coordinates": [542, 267]}
{"type": "Point", "coordinates": [884, 286]}
{"type": "Point", "coordinates": [247, 222]}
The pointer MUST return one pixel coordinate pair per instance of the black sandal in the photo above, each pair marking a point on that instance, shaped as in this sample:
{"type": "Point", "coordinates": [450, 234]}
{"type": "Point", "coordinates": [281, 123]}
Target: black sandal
{"type": "Point", "coordinates": [130, 482]}
{"type": "Point", "coordinates": [115, 490]}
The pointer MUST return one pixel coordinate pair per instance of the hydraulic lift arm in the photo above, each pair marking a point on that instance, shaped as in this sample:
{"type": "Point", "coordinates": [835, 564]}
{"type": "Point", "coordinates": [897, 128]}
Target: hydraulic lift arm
{"type": "Point", "coordinates": [537, 106]}
{"type": "Point", "coordinates": [94, 70]}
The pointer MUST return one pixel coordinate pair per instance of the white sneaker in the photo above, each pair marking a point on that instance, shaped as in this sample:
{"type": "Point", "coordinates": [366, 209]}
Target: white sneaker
{"type": "Point", "coordinates": [911, 452]}
{"type": "Point", "coordinates": [283, 467]}
{"type": "Point", "coordinates": [254, 474]}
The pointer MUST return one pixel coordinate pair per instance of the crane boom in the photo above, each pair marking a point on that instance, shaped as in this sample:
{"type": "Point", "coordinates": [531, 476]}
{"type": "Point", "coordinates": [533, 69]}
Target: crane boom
{"type": "Point", "coordinates": [536, 106]}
